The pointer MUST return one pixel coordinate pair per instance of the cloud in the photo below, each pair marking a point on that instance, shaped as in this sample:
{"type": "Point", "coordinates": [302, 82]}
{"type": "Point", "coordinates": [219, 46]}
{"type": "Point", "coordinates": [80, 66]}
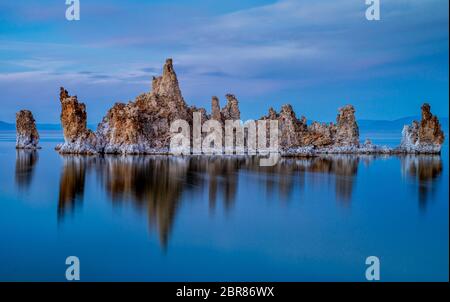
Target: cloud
{"type": "Point", "coordinates": [272, 49]}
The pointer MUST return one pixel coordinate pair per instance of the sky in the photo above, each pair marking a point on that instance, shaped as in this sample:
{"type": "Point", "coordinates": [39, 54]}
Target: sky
{"type": "Point", "coordinates": [315, 55]}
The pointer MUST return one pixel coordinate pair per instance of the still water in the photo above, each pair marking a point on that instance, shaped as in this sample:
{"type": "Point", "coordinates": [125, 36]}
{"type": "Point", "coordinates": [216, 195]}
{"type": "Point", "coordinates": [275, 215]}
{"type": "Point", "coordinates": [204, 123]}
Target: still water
{"type": "Point", "coordinates": [156, 218]}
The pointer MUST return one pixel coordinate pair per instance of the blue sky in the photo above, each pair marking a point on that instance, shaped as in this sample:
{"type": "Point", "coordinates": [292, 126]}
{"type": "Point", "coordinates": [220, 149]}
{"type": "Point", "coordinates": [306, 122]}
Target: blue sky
{"type": "Point", "coordinates": [315, 55]}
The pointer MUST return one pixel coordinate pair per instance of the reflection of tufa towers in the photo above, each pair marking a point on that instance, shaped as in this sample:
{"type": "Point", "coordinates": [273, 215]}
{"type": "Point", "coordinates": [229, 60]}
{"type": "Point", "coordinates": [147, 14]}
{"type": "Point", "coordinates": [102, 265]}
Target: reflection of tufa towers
{"type": "Point", "coordinates": [72, 182]}
{"type": "Point", "coordinates": [425, 169]}
{"type": "Point", "coordinates": [25, 163]}
{"type": "Point", "coordinates": [343, 168]}
{"type": "Point", "coordinates": [340, 169]}
{"type": "Point", "coordinates": [157, 185]}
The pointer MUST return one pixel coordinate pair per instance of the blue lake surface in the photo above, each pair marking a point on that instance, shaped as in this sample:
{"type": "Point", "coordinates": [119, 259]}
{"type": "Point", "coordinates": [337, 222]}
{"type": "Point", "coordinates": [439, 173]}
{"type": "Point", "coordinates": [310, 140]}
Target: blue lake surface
{"type": "Point", "coordinates": [221, 219]}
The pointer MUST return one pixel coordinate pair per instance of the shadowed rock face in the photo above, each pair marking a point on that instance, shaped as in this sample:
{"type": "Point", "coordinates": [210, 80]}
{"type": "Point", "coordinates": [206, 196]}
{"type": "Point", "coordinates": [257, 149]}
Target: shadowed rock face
{"type": "Point", "coordinates": [291, 128]}
{"type": "Point", "coordinates": [27, 135]}
{"type": "Point", "coordinates": [295, 132]}
{"type": "Point", "coordinates": [215, 109]}
{"type": "Point", "coordinates": [347, 131]}
{"type": "Point", "coordinates": [231, 109]}
{"type": "Point", "coordinates": [320, 134]}
{"type": "Point", "coordinates": [425, 136]}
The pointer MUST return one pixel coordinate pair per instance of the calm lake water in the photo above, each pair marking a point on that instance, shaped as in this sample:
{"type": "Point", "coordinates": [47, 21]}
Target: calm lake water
{"type": "Point", "coordinates": [221, 219]}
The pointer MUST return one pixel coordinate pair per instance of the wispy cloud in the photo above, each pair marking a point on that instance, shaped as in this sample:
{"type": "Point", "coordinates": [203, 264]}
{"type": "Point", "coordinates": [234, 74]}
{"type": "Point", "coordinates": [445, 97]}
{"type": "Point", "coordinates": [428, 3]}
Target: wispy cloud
{"type": "Point", "coordinates": [283, 49]}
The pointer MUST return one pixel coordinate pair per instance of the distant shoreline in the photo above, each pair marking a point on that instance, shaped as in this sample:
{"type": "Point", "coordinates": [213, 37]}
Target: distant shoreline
{"type": "Point", "coordinates": [365, 125]}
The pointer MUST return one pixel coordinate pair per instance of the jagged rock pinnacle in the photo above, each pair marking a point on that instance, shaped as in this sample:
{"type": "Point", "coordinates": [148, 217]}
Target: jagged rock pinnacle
{"type": "Point", "coordinates": [347, 132]}
{"type": "Point", "coordinates": [231, 109]}
{"type": "Point", "coordinates": [215, 109]}
{"type": "Point", "coordinates": [78, 139]}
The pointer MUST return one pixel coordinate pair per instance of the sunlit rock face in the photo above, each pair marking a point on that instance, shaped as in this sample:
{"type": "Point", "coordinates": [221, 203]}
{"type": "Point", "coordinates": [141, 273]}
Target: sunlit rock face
{"type": "Point", "coordinates": [78, 139]}
{"type": "Point", "coordinates": [425, 136]}
{"type": "Point", "coordinates": [410, 135]}
{"type": "Point", "coordinates": [125, 130]}
{"type": "Point", "coordinates": [27, 136]}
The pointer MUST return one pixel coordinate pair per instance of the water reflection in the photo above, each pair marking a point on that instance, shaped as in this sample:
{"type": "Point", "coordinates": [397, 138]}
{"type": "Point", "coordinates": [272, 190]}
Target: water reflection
{"type": "Point", "coordinates": [72, 182]}
{"type": "Point", "coordinates": [340, 169]}
{"type": "Point", "coordinates": [25, 163]}
{"type": "Point", "coordinates": [156, 185]}
{"type": "Point", "coordinates": [425, 170]}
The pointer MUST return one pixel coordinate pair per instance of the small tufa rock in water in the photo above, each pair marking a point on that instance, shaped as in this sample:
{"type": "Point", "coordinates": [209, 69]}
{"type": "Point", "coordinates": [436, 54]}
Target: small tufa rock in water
{"type": "Point", "coordinates": [425, 136]}
{"type": "Point", "coordinates": [27, 134]}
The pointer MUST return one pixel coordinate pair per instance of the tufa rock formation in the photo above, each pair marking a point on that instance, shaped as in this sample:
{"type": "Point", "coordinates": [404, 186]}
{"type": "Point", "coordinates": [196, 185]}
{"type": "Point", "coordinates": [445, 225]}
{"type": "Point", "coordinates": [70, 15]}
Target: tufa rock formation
{"type": "Point", "coordinates": [430, 131]}
{"type": "Point", "coordinates": [290, 128]}
{"type": "Point", "coordinates": [295, 133]}
{"type": "Point", "coordinates": [27, 136]}
{"type": "Point", "coordinates": [143, 125]}
{"type": "Point", "coordinates": [215, 109]}
{"type": "Point", "coordinates": [347, 131]}
{"type": "Point", "coordinates": [78, 139]}
{"type": "Point", "coordinates": [124, 129]}
{"type": "Point", "coordinates": [231, 109]}
{"type": "Point", "coordinates": [139, 127]}
{"type": "Point", "coordinates": [425, 136]}
{"type": "Point", "coordinates": [320, 134]}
